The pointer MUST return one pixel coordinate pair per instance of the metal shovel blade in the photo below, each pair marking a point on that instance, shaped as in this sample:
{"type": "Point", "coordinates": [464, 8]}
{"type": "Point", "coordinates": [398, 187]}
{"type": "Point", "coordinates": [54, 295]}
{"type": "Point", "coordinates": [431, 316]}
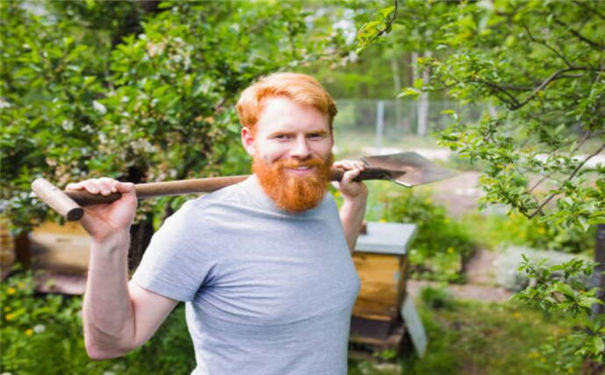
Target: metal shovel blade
{"type": "Point", "coordinates": [408, 168]}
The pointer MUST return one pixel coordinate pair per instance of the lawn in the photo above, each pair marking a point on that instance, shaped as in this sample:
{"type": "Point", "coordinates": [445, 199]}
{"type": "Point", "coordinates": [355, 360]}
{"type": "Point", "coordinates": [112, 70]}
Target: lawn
{"type": "Point", "coordinates": [472, 338]}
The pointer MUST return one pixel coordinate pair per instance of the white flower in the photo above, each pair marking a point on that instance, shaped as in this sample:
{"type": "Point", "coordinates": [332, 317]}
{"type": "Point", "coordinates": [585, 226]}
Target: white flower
{"type": "Point", "coordinates": [99, 107]}
{"type": "Point", "coordinates": [39, 328]}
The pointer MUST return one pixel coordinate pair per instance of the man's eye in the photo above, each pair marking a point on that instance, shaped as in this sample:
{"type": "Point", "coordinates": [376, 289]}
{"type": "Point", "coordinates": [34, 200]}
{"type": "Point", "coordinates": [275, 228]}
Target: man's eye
{"type": "Point", "coordinates": [315, 135]}
{"type": "Point", "coordinates": [282, 136]}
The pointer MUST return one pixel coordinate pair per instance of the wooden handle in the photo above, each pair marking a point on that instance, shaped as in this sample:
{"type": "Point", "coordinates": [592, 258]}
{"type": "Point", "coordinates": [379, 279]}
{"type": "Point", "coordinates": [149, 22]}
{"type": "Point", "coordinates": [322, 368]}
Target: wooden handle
{"type": "Point", "coordinates": [159, 189]}
{"type": "Point", "coordinates": [69, 203]}
{"type": "Point", "coordinates": [57, 199]}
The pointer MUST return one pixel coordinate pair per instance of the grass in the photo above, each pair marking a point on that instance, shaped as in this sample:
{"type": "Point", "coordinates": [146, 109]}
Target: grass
{"type": "Point", "coordinates": [465, 337]}
{"type": "Point", "coordinates": [472, 338]}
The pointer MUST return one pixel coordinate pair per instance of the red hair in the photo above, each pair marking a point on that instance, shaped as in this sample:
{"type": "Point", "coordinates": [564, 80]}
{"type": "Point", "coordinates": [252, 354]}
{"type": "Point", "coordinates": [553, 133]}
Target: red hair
{"type": "Point", "coordinates": [300, 88]}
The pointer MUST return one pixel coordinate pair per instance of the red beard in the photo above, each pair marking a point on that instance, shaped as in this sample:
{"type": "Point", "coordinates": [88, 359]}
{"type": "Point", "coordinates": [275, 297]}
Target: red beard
{"type": "Point", "coordinates": [290, 192]}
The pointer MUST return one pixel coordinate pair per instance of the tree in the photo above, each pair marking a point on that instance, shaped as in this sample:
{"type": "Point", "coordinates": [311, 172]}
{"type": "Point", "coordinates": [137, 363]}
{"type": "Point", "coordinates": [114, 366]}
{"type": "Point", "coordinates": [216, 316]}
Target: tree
{"type": "Point", "coordinates": [541, 65]}
{"type": "Point", "coordinates": [140, 91]}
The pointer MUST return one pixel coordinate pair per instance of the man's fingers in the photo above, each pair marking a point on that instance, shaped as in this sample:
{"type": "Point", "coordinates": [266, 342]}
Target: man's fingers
{"type": "Point", "coordinates": [349, 175]}
{"type": "Point", "coordinates": [103, 186]}
{"type": "Point", "coordinates": [352, 169]}
{"type": "Point", "coordinates": [124, 187]}
{"type": "Point", "coordinates": [74, 186]}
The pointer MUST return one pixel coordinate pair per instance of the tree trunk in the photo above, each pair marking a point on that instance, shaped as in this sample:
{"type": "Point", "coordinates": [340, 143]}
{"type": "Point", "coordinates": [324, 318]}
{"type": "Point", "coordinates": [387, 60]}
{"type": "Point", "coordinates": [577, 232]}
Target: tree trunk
{"type": "Point", "coordinates": [590, 367]}
{"type": "Point", "coordinates": [423, 100]}
{"type": "Point", "coordinates": [598, 276]}
{"type": "Point", "coordinates": [132, 23]}
{"type": "Point", "coordinates": [397, 87]}
{"type": "Point", "coordinates": [140, 236]}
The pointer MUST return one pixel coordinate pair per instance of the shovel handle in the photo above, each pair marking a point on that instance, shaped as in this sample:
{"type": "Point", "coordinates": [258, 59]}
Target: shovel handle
{"type": "Point", "coordinates": [158, 189]}
{"type": "Point", "coordinates": [199, 185]}
{"type": "Point", "coordinates": [69, 203]}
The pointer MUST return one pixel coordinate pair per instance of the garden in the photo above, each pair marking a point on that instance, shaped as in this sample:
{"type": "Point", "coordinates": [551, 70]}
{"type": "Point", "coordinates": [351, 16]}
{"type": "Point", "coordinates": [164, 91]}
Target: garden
{"type": "Point", "coordinates": [510, 94]}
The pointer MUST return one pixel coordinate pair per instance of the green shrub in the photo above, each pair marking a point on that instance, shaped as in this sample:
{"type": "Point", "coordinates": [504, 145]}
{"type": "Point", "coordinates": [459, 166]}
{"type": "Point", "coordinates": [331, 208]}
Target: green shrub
{"type": "Point", "coordinates": [42, 334]}
{"type": "Point", "coordinates": [516, 229]}
{"type": "Point", "coordinates": [441, 246]}
{"type": "Point", "coordinates": [436, 298]}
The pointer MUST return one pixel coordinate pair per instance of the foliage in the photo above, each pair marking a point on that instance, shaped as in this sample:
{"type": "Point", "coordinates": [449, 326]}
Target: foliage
{"type": "Point", "coordinates": [558, 289]}
{"type": "Point", "coordinates": [36, 330]}
{"type": "Point", "coordinates": [441, 246]}
{"type": "Point", "coordinates": [436, 298]}
{"type": "Point", "coordinates": [147, 96]}
{"type": "Point", "coordinates": [479, 338]}
{"type": "Point", "coordinates": [42, 334]}
{"type": "Point", "coordinates": [496, 339]}
{"type": "Point", "coordinates": [516, 229]}
{"type": "Point", "coordinates": [540, 63]}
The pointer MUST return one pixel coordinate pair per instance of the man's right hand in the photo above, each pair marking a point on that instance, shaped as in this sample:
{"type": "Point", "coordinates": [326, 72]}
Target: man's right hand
{"type": "Point", "coordinates": [102, 221]}
{"type": "Point", "coordinates": [117, 317]}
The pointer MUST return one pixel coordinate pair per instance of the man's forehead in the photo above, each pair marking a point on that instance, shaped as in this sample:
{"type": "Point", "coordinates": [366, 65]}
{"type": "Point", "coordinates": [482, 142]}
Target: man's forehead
{"type": "Point", "coordinates": [284, 113]}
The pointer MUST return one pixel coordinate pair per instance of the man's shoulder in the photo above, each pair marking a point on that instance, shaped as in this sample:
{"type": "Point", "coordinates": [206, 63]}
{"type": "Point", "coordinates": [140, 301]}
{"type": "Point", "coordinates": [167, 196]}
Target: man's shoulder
{"type": "Point", "coordinates": [231, 195]}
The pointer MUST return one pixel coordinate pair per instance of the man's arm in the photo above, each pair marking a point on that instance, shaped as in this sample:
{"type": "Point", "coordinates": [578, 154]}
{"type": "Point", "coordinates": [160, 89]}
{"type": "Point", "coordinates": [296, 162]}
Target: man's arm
{"type": "Point", "coordinates": [118, 317]}
{"type": "Point", "coordinates": [355, 196]}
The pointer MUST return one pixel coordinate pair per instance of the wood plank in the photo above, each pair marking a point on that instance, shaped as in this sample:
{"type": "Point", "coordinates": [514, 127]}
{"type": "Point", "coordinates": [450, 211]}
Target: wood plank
{"type": "Point", "coordinates": [60, 247]}
{"type": "Point", "coordinates": [380, 279]}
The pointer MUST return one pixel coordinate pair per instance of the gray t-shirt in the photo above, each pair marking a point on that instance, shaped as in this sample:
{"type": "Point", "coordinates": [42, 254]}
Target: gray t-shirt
{"type": "Point", "coordinates": [267, 292]}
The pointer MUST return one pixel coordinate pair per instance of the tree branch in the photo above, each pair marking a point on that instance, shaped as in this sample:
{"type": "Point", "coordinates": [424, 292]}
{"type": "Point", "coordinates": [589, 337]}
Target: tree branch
{"type": "Point", "coordinates": [511, 101]}
{"type": "Point", "coordinates": [578, 35]}
{"type": "Point", "coordinates": [387, 26]}
{"type": "Point", "coordinates": [576, 148]}
{"type": "Point", "coordinates": [590, 10]}
{"type": "Point", "coordinates": [556, 75]}
{"type": "Point", "coordinates": [390, 21]}
{"type": "Point", "coordinates": [544, 43]}
{"type": "Point", "coordinates": [573, 174]}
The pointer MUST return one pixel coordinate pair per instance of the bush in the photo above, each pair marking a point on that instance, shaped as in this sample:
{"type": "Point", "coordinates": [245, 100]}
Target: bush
{"type": "Point", "coordinates": [436, 298]}
{"type": "Point", "coordinates": [42, 334]}
{"type": "Point", "coordinates": [442, 246]}
{"type": "Point", "coordinates": [516, 229]}
{"type": "Point", "coordinates": [509, 260]}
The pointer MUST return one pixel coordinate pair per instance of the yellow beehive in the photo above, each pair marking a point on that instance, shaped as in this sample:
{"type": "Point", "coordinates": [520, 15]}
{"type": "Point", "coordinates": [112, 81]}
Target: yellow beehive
{"type": "Point", "coordinates": [381, 262]}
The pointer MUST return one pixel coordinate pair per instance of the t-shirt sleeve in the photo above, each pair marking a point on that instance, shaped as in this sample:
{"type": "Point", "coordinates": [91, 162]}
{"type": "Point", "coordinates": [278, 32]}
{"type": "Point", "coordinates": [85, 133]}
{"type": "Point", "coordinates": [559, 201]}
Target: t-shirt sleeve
{"type": "Point", "coordinates": [176, 262]}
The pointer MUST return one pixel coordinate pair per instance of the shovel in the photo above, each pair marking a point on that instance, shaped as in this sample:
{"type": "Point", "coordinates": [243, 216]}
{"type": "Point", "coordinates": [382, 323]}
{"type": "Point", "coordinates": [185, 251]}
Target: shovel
{"type": "Point", "coordinates": [407, 169]}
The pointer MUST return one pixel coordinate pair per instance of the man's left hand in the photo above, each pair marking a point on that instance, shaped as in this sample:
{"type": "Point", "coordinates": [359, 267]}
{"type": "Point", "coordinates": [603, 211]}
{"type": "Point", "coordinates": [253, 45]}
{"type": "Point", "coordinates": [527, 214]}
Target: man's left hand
{"type": "Point", "coordinates": [350, 189]}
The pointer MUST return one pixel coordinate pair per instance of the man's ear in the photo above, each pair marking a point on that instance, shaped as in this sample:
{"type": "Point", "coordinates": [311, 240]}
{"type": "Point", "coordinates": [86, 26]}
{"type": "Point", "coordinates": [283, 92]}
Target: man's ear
{"type": "Point", "coordinates": [248, 140]}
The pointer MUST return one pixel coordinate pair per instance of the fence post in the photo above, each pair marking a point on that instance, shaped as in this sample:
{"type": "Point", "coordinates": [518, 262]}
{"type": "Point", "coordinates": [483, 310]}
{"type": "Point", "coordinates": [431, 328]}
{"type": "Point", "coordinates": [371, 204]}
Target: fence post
{"type": "Point", "coordinates": [598, 276]}
{"type": "Point", "coordinates": [379, 123]}
{"type": "Point", "coordinates": [423, 103]}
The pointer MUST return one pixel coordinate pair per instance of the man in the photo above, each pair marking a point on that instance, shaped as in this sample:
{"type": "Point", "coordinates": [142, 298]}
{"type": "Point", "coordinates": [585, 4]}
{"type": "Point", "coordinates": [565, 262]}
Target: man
{"type": "Point", "coordinates": [264, 266]}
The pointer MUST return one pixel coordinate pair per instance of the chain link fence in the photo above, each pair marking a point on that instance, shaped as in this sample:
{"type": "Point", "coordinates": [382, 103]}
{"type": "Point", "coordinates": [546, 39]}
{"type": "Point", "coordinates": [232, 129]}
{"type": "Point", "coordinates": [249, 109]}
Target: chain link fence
{"type": "Point", "coordinates": [394, 123]}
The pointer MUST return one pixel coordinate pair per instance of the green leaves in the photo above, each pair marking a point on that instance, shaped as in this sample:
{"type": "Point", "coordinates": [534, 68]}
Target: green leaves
{"type": "Point", "coordinates": [109, 89]}
{"type": "Point", "coordinates": [562, 288]}
{"type": "Point", "coordinates": [371, 31]}
{"type": "Point", "coordinates": [539, 66]}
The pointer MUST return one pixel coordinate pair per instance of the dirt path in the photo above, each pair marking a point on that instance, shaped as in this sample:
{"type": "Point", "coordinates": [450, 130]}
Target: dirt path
{"type": "Point", "coordinates": [459, 194]}
{"type": "Point", "coordinates": [480, 284]}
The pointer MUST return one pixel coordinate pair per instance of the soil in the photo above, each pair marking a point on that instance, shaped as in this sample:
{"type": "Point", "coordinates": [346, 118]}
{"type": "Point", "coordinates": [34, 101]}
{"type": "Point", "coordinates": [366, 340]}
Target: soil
{"type": "Point", "coordinates": [460, 194]}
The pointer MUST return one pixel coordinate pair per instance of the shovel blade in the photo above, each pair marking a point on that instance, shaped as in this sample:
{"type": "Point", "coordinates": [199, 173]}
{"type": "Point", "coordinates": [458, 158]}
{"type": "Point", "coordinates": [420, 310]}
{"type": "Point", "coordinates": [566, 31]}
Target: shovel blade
{"type": "Point", "coordinates": [409, 168]}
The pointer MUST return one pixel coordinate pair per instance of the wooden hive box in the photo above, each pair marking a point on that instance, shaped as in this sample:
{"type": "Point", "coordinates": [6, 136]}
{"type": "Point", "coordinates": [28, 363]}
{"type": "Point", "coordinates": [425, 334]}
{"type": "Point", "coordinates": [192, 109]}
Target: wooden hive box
{"type": "Point", "coordinates": [61, 252]}
{"type": "Point", "coordinates": [381, 261]}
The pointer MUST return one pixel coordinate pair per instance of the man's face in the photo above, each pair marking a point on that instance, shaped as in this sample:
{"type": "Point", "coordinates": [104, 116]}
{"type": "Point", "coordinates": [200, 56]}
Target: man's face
{"type": "Point", "coordinates": [292, 150]}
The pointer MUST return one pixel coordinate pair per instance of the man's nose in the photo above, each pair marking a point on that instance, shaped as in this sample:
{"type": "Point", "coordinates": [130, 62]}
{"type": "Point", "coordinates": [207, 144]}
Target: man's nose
{"type": "Point", "coordinates": [301, 149]}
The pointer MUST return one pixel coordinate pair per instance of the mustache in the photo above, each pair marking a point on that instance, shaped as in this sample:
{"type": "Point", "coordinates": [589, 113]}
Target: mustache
{"type": "Point", "coordinates": [296, 163]}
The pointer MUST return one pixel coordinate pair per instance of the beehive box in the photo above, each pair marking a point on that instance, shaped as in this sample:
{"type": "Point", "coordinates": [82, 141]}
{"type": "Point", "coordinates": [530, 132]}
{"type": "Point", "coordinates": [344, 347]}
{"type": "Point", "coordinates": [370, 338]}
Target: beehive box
{"type": "Point", "coordinates": [62, 248]}
{"type": "Point", "coordinates": [7, 247]}
{"type": "Point", "coordinates": [381, 261]}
